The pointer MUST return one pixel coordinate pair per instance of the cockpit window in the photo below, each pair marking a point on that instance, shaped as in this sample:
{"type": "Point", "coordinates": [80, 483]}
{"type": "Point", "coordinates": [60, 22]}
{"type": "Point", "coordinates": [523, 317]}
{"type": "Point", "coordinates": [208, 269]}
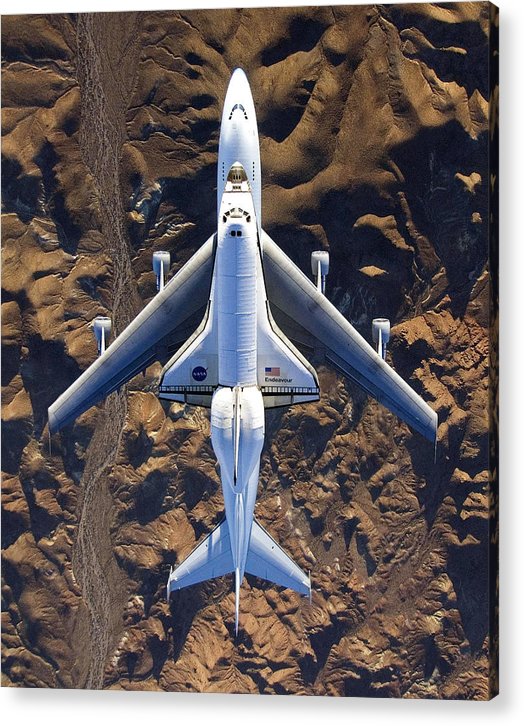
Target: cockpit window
{"type": "Point", "coordinates": [236, 213]}
{"type": "Point", "coordinates": [237, 174]}
{"type": "Point", "coordinates": [239, 106]}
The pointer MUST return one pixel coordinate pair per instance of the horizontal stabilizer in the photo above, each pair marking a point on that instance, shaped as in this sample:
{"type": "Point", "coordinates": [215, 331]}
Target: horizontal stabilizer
{"type": "Point", "coordinates": [211, 558]}
{"type": "Point", "coordinates": [266, 559]}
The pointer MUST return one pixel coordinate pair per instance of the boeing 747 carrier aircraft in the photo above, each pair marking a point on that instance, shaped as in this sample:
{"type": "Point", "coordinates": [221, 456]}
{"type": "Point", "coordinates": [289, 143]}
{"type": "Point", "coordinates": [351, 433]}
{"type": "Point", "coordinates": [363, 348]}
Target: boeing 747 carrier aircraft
{"type": "Point", "coordinates": [238, 361]}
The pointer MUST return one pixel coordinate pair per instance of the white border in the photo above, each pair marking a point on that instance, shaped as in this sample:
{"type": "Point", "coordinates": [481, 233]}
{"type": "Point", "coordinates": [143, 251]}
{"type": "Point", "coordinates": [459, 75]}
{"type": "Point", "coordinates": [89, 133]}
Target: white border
{"type": "Point", "coordinates": [81, 707]}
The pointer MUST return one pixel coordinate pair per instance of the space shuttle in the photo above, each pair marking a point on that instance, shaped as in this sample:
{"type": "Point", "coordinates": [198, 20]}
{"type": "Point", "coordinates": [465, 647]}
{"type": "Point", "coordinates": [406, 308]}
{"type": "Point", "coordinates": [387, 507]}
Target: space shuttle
{"type": "Point", "coordinates": [239, 361]}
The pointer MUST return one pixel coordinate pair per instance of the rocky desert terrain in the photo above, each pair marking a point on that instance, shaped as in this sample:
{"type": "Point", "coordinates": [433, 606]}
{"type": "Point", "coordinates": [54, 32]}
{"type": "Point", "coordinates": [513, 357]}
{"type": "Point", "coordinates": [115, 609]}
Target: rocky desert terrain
{"type": "Point", "coordinates": [375, 124]}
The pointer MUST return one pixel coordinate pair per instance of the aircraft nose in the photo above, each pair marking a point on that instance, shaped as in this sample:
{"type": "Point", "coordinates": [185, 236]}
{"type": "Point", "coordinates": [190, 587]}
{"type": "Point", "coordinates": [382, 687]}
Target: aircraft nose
{"type": "Point", "coordinates": [239, 78]}
{"type": "Point", "coordinates": [238, 88]}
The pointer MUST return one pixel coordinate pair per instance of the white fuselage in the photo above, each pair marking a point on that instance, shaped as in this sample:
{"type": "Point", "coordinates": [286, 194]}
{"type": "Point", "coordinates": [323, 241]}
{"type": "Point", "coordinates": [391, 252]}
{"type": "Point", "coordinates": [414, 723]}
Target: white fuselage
{"type": "Point", "coordinates": [237, 408]}
{"type": "Point", "coordinates": [239, 140]}
{"type": "Point", "coordinates": [236, 287]}
{"type": "Point", "coordinates": [237, 361]}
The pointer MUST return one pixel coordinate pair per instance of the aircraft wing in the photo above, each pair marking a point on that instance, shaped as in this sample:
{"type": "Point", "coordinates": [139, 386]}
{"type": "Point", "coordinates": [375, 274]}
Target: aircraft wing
{"type": "Point", "coordinates": [290, 292]}
{"type": "Point", "coordinates": [151, 336]}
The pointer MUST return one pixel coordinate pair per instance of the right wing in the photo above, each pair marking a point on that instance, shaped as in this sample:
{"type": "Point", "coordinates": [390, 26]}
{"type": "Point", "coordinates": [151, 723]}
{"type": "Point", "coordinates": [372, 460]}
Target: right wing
{"type": "Point", "coordinates": [151, 336]}
{"type": "Point", "coordinates": [292, 293]}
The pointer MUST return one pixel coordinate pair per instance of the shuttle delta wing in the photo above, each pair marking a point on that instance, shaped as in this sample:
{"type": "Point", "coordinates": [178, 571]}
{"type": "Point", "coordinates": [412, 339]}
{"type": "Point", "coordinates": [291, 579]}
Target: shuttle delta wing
{"type": "Point", "coordinates": [290, 292]}
{"type": "Point", "coordinates": [153, 335]}
{"type": "Point", "coordinates": [284, 376]}
{"type": "Point", "coordinates": [191, 375]}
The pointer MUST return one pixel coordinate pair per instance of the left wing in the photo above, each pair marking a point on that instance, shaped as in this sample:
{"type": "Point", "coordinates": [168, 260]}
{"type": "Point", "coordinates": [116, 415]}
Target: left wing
{"type": "Point", "coordinates": [148, 338]}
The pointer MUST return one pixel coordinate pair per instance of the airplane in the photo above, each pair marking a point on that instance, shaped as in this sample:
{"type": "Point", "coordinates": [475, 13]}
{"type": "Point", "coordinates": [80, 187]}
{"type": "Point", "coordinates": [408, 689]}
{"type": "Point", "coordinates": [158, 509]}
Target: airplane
{"type": "Point", "coordinates": [238, 361]}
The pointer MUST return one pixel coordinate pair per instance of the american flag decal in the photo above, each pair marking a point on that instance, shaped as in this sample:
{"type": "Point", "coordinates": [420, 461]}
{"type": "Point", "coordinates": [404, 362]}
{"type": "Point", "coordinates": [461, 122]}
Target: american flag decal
{"type": "Point", "coordinates": [272, 371]}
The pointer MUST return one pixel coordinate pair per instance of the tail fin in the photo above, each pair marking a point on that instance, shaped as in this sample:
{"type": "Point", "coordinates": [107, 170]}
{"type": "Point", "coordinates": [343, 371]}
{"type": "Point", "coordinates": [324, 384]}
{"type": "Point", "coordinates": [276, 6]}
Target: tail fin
{"type": "Point", "coordinates": [267, 560]}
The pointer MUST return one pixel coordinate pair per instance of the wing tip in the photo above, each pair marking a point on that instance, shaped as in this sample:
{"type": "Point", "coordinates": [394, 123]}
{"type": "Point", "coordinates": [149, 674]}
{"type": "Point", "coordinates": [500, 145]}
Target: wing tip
{"type": "Point", "coordinates": [429, 427]}
{"type": "Point", "coordinates": [168, 585]}
{"type": "Point", "coordinates": [435, 439]}
{"type": "Point", "coordinates": [52, 421]}
{"type": "Point", "coordinates": [434, 436]}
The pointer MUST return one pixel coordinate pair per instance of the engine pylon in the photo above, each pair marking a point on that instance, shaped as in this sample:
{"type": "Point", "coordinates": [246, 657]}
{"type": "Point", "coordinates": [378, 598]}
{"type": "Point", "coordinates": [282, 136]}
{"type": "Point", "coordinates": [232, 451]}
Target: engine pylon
{"type": "Point", "coordinates": [101, 331]}
{"type": "Point", "coordinates": [161, 265]}
{"type": "Point", "coordinates": [380, 330]}
{"type": "Point", "coordinates": [320, 269]}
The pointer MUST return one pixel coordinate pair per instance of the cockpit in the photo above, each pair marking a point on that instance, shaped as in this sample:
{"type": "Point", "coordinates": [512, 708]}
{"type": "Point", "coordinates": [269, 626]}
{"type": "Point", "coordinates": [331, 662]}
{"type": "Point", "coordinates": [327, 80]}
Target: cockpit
{"type": "Point", "coordinates": [237, 210]}
{"type": "Point", "coordinates": [239, 107]}
{"type": "Point", "coordinates": [237, 180]}
{"type": "Point", "coordinates": [237, 174]}
{"type": "Point", "coordinates": [236, 213]}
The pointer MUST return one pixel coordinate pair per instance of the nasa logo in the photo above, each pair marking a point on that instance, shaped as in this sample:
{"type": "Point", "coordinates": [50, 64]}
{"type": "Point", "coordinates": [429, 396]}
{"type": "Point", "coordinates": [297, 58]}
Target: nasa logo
{"type": "Point", "coordinates": [199, 373]}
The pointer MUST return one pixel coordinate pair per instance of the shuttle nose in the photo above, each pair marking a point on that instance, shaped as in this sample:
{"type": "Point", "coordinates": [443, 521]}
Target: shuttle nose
{"type": "Point", "coordinates": [239, 138]}
{"type": "Point", "coordinates": [239, 79]}
{"type": "Point", "coordinates": [238, 90]}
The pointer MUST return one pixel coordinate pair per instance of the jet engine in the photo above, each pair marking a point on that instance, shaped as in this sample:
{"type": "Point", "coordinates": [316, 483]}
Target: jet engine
{"type": "Point", "coordinates": [320, 268]}
{"type": "Point", "coordinates": [102, 331]}
{"type": "Point", "coordinates": [380, 329]}
{"type": "Point", "coordinates": [161, 265]}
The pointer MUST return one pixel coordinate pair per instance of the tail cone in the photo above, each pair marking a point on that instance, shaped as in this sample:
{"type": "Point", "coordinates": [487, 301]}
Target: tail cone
{"type": "Point", "coordinates": [237, 598]}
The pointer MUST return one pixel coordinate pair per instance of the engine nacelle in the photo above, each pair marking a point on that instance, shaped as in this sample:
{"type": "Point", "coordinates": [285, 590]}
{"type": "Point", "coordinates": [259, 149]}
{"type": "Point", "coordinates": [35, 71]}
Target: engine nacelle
{"type": "Point", "coordinates": [161, 265]}
{"type": "Point", "coordinates": [380, 330]}
{"type": "Point", "coordinates": [102, 331]}
{"type": "Point", "coordinates": [320, 268]}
